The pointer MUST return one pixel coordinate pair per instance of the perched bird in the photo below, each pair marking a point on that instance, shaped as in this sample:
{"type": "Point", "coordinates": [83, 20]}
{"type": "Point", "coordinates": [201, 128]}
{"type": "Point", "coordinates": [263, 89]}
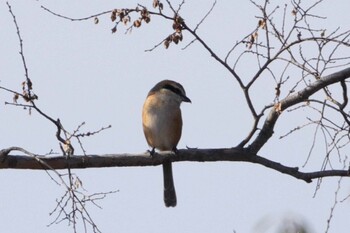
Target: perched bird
{"type": "Point", "coordinates": [162, 126]}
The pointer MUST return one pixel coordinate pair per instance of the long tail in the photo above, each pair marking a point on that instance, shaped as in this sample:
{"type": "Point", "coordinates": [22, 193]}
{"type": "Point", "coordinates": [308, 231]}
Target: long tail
{"type": "Point", "coordinates": [169, 188]}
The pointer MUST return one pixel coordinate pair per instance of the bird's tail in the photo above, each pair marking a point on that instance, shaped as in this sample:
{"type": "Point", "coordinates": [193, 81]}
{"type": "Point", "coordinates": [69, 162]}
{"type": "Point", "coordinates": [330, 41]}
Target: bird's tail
{"type": "Point", "coordinates": [169, 188]}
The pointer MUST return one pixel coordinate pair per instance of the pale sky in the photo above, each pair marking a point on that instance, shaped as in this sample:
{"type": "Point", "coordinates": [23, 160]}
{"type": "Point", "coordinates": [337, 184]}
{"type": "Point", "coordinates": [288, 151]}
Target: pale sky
{"type": "Point", "coordinates": [82, 72]}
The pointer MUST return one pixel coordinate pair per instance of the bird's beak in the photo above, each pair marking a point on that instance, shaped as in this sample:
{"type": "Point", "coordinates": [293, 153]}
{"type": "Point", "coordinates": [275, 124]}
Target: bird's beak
{"type": "Point", "coordinates": [186, 99]}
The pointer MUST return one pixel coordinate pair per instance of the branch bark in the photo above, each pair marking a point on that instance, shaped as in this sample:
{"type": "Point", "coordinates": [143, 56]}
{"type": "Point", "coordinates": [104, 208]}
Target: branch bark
{"type": "Point", "coordinates": [40, 162]}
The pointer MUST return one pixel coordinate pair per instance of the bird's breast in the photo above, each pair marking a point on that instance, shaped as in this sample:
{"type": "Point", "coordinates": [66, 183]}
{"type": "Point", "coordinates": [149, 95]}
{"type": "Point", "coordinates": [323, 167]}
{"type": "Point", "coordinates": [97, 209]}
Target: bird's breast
{"type": "Point", "coordinates": [162, 123]}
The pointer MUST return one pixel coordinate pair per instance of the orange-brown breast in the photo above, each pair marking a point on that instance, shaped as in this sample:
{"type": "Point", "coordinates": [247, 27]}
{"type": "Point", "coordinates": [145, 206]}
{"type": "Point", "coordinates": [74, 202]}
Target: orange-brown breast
{"type": "Point", "coordinates": [162, 123]}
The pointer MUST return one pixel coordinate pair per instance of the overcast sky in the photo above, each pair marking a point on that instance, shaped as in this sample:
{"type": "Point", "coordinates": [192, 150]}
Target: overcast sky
{"type": "Point", "coordinates": [84, 73]}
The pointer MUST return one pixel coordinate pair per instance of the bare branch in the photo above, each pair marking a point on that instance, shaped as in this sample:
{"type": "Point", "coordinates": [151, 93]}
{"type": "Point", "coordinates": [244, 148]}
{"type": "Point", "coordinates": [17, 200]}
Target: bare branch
{"type": "Point", "coordinates": [28, 85]}
{"type": "Point", "coordinates": [129, 160]}
{"type": "Point", "coordinates": [336, 201]}
{"type": "Point", "coordinates": [296, 98]}
{"type": "Point", "coordinates": [76, 19]}
{"type": "Point", "coordinates": [206, 15]}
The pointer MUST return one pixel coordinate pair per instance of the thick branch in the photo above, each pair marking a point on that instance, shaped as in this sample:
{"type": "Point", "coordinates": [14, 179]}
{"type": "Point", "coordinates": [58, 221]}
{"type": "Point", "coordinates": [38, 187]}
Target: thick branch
{"type": "Point", "coordinates": [298, 97]}
{"type": "Point", "coordinates": [129, 160]}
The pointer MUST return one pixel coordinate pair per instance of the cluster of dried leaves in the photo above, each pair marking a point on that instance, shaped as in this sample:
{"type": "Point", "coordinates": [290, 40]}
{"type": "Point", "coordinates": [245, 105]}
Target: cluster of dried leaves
{"type": "Point", "coordinates": [144, 15]}
{"type": "Point", "coordinates": [27, 87]}
{"type": "Point", "coordinates": [123, 16]}
{"type": "Point", "coordinates": [177, 35]}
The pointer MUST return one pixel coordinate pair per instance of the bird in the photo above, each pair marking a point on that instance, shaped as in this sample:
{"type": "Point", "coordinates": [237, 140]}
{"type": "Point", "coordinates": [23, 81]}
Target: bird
{"type": "Point", "coordinates": [162, 127]}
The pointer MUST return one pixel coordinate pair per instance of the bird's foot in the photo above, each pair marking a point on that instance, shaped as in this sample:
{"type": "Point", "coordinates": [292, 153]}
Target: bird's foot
{"type": "Point", "coordinates": [152, 152]}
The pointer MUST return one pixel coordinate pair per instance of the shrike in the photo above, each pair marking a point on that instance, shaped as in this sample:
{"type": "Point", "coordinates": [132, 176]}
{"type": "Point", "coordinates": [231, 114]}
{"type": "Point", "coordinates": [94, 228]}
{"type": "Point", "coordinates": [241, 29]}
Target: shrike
{"type": "Point", "coordinates": [162, 126]}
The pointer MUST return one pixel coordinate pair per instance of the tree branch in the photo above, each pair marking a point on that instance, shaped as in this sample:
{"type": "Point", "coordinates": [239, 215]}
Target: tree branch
{"type": "Point", "coordinates": [132, 160]}
{"type": "Point", "coordinates": [298, 97]}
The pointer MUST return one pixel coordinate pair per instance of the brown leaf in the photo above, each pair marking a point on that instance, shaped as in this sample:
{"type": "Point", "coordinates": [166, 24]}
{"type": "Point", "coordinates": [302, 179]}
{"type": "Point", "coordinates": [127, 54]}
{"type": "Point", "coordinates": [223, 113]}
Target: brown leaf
{"type": "Point", "coordinates": [178, 19]}
{"type": "Point", "coordinates": [15, 98]}
{"type": "Point", "coordinates": [114, 29]}
{"type": "Point", "coordinates": [252, 39]}
{"type": "Point", "coordinates": [262, 23]}
{"type": "Point", "coordinates": [180, 36]}
{"type": "Point", "coordinates": [147, 19]}
{"type": "Point", "coordinates": [166, 44]}
{"type": "Point", "coordinates": [26, 97]}
{"type": "Point", "coordinates": [176, 39]}
{"type": "Point", "coordinates": [144, 13]}
{"type": "Point", "coordinates": [155, 3]}
{"type": "Point", "coordinates": [114, 15]}
{"type": "Point", "coordinates": [121, 15]}
{"type": "Point", "coordinates": [126, 20]}
{"type": "Point", "coordinates": [137, 23]}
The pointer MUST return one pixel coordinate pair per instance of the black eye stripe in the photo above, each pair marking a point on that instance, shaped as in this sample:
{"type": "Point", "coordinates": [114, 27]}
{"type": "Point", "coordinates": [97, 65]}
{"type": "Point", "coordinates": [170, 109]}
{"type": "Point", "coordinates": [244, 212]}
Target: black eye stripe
{"type": "Point", "coordinates": [173, 89]}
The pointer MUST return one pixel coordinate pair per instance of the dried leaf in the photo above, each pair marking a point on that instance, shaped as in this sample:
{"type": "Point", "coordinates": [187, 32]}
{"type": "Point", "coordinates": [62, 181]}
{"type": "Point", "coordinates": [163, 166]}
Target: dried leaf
{"type": "Point", "coordinates": [147, 19]}
{"type": "Point", "coordinates": [121, 15]}
{"type": "Point", "coordinates": [178, 19]}
{"type": "Point", "coordinates": [177, 27]}
{"type": "Point", "coordinates": [26, 97]}
{"type": "Point", "coordinates": [144, 13]}
{"type": "Point", "coordinates": [262, 24]}
{"type": "Point", "coordinates": [114, 15]}
{"type": "Point", "coordinates": [126, 20]}
{"type": "Point", "coordinates": [252, 39]}
{"type": "Point", "coordinates": [166, 44]}
{"type": "Point", "coordinates": [137, 23]}
{"type": "Point", "coordinates": [15, 98]}
{"type": "Point", "coordinates": [176, 39]}
{"type": "Point", "coordinates": [155, 3]}
{"type": "Point", "coordinates": [114, 29]}
{"type": "Point", "coordinates": [180, 36]}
